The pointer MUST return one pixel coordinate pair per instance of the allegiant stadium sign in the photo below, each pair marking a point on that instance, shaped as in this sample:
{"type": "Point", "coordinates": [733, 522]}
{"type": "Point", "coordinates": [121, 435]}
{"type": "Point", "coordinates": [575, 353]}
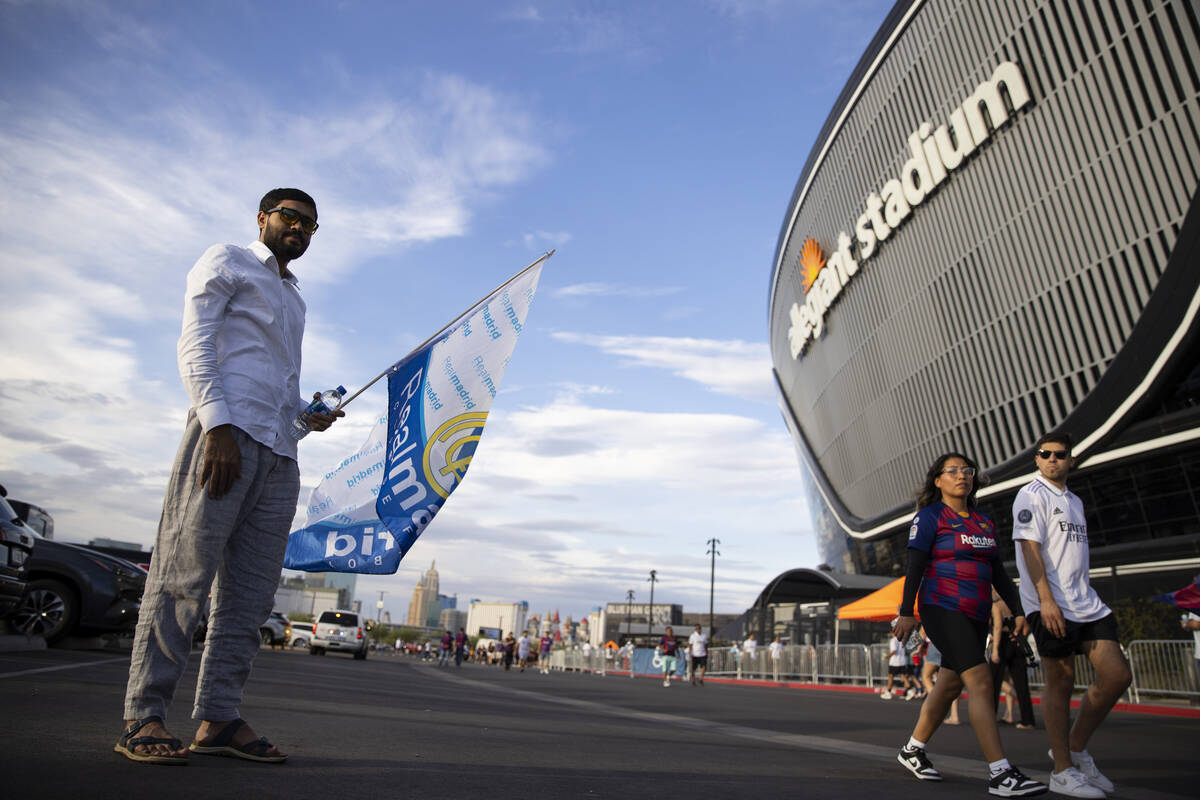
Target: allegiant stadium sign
{"type": "Point", "coordinates": [935, 154]}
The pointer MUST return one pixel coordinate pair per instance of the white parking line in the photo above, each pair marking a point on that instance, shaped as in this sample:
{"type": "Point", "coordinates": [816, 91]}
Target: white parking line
{"type": "Point", "coordinates": [64, 666]}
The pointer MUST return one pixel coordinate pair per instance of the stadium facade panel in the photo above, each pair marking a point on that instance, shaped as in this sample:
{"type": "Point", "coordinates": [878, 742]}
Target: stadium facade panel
{"type": "Point", "coordinates": [995, 235]}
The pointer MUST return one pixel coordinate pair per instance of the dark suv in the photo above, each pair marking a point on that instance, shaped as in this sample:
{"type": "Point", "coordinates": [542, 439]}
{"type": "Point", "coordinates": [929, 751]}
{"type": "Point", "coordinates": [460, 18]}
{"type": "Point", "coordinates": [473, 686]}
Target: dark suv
{"type": "Point", "coordinates": [16, 546]}
{"type": "Point", "coordinates": [75, 590]}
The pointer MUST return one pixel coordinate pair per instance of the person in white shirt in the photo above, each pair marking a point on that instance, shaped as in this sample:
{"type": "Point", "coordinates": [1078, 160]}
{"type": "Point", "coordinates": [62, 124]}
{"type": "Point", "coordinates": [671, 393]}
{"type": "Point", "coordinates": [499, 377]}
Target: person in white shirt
{"type": "Point", "coordinates": [897, 666]}
{"type": "Point", "coordinates": [775, 649]}
{"type": "Point", "coordinates": [1191, 622]}
{"type": "Point", "coordinates": [698, 647]}
{"type": "Point", "coordinates": [1067, 616]}
{"type": "Point", "coordinates": [523, 650]}
{"type": "Point", "coordinates": [750, 655]}
{"type": "Point", "coordinates": [232, 491]}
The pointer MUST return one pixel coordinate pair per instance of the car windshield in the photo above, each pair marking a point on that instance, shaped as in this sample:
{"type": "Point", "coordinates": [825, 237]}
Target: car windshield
{"type": "Point", "coordinates": [39, 522]}
{"type": "Point", "coordinates": [338, 618]}
{"type": "Point", "coordinates": [7, 513]}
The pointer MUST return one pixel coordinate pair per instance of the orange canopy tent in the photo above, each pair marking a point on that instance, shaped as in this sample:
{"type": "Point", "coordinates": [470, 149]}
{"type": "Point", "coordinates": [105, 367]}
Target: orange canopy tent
{"type": "Point", "coordinates": [878, 606]}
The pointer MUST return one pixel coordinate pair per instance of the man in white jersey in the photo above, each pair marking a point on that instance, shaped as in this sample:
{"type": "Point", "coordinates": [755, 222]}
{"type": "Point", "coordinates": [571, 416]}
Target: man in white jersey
{"type": "Point", "coordinates": [698, 645]}
{"type": "Point", "coordinates": [1067, 616]}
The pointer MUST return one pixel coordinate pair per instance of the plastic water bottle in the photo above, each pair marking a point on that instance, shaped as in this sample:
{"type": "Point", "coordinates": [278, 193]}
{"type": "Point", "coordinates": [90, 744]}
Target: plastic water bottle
{"type": "Point", "coordinates": [914, 641]}
{"type": "Point", "coordinates": [326, 403]}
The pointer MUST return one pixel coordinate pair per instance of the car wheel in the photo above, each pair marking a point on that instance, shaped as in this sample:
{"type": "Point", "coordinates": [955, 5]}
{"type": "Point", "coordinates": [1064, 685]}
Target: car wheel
{"type": "Point", "coordinates": [298, 643]}
{"type": "Point", "coordinates": [49, 608]}
{"type": "Point", "coordinates": [317, 651]}
{"type": "Point", "coordinates": [360, 655]}
{"type": "Point", "coordinates": [265, 635]}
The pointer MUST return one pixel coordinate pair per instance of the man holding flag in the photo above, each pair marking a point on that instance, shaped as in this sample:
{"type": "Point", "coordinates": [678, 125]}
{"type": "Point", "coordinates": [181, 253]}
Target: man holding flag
{"type": "Point", "coordinates": [232, 492]}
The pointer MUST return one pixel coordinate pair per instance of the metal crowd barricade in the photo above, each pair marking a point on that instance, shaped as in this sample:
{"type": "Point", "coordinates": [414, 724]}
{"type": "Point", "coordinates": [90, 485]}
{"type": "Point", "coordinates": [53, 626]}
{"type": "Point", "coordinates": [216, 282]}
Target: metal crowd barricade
{"type": "Point", "coordinates": [843, 664]}
{"type": "Point", "coordinates": [1083, 674]}
{"type": "Point", "coordinates": [1163, 667]}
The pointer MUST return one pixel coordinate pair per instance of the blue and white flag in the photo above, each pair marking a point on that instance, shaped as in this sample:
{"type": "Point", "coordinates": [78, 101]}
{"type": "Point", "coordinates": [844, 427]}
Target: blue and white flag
{"type": "Point", "coordinates": [369, 509]}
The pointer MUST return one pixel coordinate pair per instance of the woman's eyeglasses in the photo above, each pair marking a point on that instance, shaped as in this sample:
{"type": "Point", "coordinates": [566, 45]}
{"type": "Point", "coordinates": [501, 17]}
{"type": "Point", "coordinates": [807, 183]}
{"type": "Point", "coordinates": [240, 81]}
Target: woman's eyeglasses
{"type": "Point", "coordinates": [964, 471]}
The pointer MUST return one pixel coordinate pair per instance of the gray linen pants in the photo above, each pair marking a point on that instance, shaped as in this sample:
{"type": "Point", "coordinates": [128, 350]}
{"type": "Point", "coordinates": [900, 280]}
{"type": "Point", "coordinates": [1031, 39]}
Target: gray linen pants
{"type": "Point", "coordinates": [232, 547]}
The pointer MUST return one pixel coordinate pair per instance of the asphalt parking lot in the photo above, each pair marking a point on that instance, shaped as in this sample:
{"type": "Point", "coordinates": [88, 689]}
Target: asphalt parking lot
{"type": "Point", "coordinates": [392, 726]}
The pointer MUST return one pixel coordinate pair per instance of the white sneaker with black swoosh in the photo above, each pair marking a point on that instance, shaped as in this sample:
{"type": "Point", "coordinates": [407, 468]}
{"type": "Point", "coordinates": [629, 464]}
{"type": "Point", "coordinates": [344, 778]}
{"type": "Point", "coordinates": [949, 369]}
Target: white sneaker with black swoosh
{"type": "Point", "coordinates": [1011, 783]}
{"type": "Point", "coordinates": [918, 763]}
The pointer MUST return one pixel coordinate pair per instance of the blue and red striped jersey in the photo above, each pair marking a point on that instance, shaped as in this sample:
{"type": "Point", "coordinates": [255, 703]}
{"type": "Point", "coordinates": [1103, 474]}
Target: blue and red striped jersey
{"type": "Point", "coordinates": [961, 551]}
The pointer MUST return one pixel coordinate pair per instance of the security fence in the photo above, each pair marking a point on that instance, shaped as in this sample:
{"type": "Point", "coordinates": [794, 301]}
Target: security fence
{"type": "Point", "coordinates": [1161, 668]}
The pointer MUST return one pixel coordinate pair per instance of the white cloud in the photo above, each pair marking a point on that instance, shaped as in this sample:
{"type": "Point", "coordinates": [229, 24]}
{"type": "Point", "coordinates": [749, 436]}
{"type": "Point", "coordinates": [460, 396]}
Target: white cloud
{"type": "Point", "coordinates": [539, 239]}
{"type": "Point", "coordinates": [105, 212]}
{"type": "Point", "coordinates": [613, 290]}
{"type": "Point", "coordinates": [741, 369]}
{"type": "Point", "coordinates": [574, 500]}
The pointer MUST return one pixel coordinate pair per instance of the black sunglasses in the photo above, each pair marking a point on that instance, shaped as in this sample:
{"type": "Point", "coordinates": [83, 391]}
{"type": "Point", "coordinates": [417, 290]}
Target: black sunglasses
{"type": "Point", "coordinates": [291, 216]}
{"type": "Point", "coordinates": [1059, 454]}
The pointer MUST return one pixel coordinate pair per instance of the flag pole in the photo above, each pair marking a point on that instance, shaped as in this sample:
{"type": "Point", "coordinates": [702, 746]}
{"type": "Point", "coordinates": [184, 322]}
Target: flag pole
{"type": "Point", "coordinates": [450, 324]}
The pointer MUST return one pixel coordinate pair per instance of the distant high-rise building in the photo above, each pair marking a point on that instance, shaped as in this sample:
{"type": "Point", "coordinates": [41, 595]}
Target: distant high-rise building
{"type": "Point", "coordinates": [424, 608]}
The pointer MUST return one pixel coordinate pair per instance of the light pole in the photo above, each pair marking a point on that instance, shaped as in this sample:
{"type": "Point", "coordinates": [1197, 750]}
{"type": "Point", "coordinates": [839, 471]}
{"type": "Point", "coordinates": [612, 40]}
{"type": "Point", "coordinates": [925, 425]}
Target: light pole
{"type": "Point", "coordinates": [629, 614]}
{"type": "Point", "coordinates": [650, 617]}
{"type": "Point", "coordinates": [712, 578]}
{"type": "Point", "coordinates": [379, 609]}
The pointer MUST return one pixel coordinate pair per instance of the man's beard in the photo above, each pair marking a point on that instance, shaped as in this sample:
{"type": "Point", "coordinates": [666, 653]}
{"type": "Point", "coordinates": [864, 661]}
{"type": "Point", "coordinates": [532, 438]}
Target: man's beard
{"type": "Point", "coordinates": [283, 246]}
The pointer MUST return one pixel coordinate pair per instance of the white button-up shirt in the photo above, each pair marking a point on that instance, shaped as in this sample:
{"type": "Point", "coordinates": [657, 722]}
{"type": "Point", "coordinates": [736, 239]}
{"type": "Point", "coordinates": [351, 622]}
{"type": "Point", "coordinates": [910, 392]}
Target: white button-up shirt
{"type": "Point", "coordinates": [239, 352]}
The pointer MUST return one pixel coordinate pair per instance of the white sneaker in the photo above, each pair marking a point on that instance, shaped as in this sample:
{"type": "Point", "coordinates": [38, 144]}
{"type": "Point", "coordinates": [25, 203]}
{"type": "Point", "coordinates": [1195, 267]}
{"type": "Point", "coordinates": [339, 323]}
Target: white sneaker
{"type": "Point", "coordinates": [885, 695]}
{"type": "Point", "coordinates": [667, 682]}
{"type": "Point", "coordinates": [1074, 783]}
{"type": "Point", "coordinates": [1087, 765]}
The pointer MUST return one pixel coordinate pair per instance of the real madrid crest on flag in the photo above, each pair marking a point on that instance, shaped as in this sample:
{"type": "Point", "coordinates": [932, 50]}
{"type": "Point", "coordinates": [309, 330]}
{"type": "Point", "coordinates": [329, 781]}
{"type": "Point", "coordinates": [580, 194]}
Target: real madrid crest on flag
{"type": "Point", "coordinates": [370, 509]}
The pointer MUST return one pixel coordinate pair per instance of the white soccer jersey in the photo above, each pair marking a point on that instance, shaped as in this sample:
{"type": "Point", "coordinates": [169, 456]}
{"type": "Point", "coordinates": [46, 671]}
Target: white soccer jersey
{"type": "Point", "coordinates": [699, 644]}
{"type": "Point", "coordinates": [1054, 518]}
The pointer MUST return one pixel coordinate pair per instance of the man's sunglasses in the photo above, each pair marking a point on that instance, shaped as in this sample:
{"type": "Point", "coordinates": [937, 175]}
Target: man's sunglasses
{"type": "Point", "coordinates": [291, 216]}
{"type": "Point", "coordinates": [1059, 454]}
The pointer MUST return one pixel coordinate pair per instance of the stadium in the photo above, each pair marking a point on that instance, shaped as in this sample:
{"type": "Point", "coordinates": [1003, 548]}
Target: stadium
{"type": "Point", "coordinates": [995, 235]}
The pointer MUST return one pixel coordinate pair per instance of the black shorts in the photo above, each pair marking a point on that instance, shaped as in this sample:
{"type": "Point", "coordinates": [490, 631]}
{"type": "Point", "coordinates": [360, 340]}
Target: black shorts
{"type": "Point", "coordinates": [960, 639]}
{"type": "Point", "coordinates": [1050, 646]}
{"type": "Point", "coordinates": [897, 670]}
{"type": "Point", "coordinates": [700, 661]}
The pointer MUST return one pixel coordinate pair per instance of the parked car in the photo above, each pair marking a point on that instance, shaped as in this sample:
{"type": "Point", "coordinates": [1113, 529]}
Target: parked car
{"type": "Point", "coordinates": [301, 635]}
{"type": "Point", "coordinates": [339, 630]}
{"type": "Point", "coordinates": [73, 589]}
{"type": "Point", "coordinates": [277, 630]}
{"type": "Point", "coordinates": [16, 548]}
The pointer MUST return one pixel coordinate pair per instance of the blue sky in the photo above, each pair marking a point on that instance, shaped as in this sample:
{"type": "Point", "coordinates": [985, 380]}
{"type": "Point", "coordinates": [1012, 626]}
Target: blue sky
{"type": "Point", "coordinates": [655, 145]}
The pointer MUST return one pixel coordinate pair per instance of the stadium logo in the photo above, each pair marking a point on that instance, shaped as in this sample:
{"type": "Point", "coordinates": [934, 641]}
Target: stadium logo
{"type": "Point", "coordinates": [934, 155]}
{"type": "Point", "coordinates": [450, 449]}
{"type": "Point", "coordinates": [812, 260]}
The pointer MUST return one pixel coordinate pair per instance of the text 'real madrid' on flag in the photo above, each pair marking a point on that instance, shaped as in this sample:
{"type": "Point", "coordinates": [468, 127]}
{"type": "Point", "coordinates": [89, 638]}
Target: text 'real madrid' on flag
{"type": "Point", "coordinates": [369, 509]}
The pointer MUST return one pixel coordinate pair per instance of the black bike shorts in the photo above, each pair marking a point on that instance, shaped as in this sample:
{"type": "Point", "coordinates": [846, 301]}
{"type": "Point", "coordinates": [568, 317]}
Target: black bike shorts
{"type": "Point", "coordinates": [960, 639]}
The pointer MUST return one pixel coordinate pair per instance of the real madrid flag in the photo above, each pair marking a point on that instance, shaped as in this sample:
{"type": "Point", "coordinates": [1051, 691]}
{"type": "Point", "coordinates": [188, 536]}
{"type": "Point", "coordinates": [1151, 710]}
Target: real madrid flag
{"type": "Point", "coordinates": [370, 509]}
